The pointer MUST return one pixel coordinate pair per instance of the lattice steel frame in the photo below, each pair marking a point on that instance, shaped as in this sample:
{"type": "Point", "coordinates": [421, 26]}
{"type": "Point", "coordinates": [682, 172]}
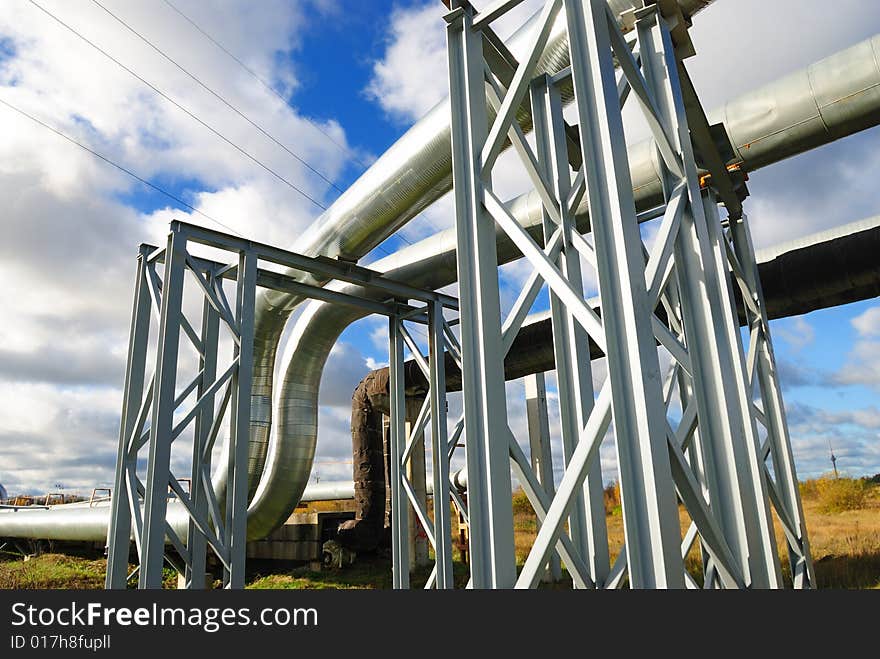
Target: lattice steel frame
{"type": "Point", "coordinates": [768, 408]}
{"type": "Point", "coordinates": [677, 295]}
{"type": "Point", "coordinates": [218, 520]}
{"type": "Point", "coordinates": [433, 412]}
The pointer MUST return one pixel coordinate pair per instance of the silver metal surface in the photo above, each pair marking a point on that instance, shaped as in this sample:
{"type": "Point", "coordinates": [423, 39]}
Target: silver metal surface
{"type": "Point", "coordinates": [833, 98]}
{"type": "Point", "coordinates": [571, 345]}
{"type": "Point", "coordinates": [140, 509]}
{"type": "Point", "coordinates": [490, 516]}
{"type": "Point", "coordinates": [431, 263]}
{"type": "Point", "coordinates": [686, 276]}
{"type": "Point", "coordinates": [844, 256]}
{"type": "Point", "coordinates": [540, 450]}
{"type": "Point", "coordinates": [406, 179]}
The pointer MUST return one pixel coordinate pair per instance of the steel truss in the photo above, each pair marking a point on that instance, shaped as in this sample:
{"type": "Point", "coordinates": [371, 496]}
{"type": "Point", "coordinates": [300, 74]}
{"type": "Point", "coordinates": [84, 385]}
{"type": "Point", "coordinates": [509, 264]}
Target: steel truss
{"type": "Point", "coordinates": [691, 437]}
{"type": "Point", "coordinates": [216, 521]}
{"type": "Point", "coordinates": [433, 413]}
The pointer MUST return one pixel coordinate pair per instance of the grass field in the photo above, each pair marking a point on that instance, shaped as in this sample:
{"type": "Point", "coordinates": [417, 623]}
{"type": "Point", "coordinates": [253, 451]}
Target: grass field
{"type": "Point", "coordinates": [843, 520]}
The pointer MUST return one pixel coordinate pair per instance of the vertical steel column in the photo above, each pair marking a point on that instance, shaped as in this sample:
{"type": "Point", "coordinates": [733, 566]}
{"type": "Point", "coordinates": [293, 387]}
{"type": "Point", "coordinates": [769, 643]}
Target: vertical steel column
{"type": "Point", "coordinates": [119, 531]}
{"type": "Point", "coordinates": [159, 461]}
{"type": "Point", "coordinates": [774, 410]}
{"type": "Point", "coordinates": [648, 498]}
{"type": "Point", "coordinates": [493, 562]}
{"type": "Point", "coordinates": [399, 502]}
{"type": "Point", "coordinates": [764, 556]}
{"type": "Point", "coordinates": [540, 450]}
{"type": "Point", "coordinates": [416, 472]}
{"type": "Point", "coordinates": [237, 492]}
{"type": "Point", "coordinates": [439, 448]}
{"type": "Point", "coordinates": [196, 542]}
{"type": "Point", "coordinates": [725, 432]}
{"type": "Point", "coordinates": [570, 342]}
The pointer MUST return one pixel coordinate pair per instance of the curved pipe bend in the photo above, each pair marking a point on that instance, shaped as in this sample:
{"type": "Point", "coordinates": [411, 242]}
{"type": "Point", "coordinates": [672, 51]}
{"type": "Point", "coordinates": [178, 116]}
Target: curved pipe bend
{"type": "Point", "coordinates": [406, 179]}
{"type": "Point", "coordinates": [844, 103]}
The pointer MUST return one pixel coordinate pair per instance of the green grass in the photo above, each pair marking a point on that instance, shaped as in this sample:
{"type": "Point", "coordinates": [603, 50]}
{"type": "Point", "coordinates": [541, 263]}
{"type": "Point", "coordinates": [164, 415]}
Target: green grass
{"type": "Point", "coordinates": [52, 571]}
{"type": "Point", "coordinates": [370, 573]}
{"type": "Point", "coordinates": [60, 571]}
{"type": "Point", "coordinates": [843, 520]}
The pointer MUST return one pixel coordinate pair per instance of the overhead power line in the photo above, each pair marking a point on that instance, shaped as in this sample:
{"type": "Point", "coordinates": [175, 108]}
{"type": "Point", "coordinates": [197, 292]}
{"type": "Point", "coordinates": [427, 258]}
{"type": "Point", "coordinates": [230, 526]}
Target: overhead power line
{"type": "Point", "coordinates": [263, 82]}
{"type": "Point", "coordinates": [117, 166]}
{"type": "Point", "coordinates": [217, 95]}
{"type": "Point", "coordinates": [275, 92]}
{"type": "Point", "coordinates": [179, 106]}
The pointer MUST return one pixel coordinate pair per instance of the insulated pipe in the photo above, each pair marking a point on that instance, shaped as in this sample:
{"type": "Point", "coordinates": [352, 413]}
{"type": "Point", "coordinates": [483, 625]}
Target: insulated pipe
{"type": "Point", "coordinates": [826, 269]}
{"type": "Point", "coordinates": [75, 523]}
{"type": "Point", "coordinates": [406, 179]}
{"type": "Point", "coordinates": [84, 522]}
{"type": "Point", "coordinates": [844, 93]}
{"type": "Point", "coordinates": [841, 92]}
{"type": "Point", "coordinates": [834, 267]}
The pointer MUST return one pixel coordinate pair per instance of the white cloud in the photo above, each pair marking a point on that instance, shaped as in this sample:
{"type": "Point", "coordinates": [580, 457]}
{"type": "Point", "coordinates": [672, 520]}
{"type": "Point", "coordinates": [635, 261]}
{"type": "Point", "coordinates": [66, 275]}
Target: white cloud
{"type": "Point", "coordinates": [867, 324]}
{"type": "Point", "coordinates": [70, 230]}
{"type": "Point", "coordinates": [412, 76]}
{"type": "Point", "coordinates": [862, 366]}
{"type": "Point", "coordinates": [55, 435]}
{"type": "Point", "coordinates": [798, 333]}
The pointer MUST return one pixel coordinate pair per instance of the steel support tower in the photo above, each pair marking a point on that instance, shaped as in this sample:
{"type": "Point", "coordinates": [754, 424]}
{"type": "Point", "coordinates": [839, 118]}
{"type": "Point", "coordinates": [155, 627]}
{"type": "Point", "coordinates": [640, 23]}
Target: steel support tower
{"type": "Point", "coordinates": [693, 435]}
{"type": "Point", "coordinates": [175, 406]}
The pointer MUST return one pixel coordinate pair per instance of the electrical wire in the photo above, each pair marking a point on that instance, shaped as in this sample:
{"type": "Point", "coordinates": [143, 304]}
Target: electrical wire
{"type": "Point", "coordinates": [118, 166]}
{"type": "Point", "coordinates": [263, 82]}
{"type": "Point", "coordinates": [179, 106]}
{"type": "Point", "coordinates": [275, 92]}
{"type": "Point", "coordinates": [217, 95]}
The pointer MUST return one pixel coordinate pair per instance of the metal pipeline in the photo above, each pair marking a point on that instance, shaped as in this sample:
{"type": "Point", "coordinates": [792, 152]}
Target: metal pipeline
{"type": "Point", "coordinates": [833, 98]}
{"type": "Point", "coordinates": [823, 270]}
{"type": "Point", "coordinates": [819, 271]}
{"type": "Point", "coordinates": [406, 179]}
{"type": "Point", "coordinates": [830, 99]}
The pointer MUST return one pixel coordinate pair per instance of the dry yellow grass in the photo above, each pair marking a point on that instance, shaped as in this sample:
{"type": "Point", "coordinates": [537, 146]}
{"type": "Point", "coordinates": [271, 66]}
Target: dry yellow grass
{"type": "Point", "coordinates": [845, 545]}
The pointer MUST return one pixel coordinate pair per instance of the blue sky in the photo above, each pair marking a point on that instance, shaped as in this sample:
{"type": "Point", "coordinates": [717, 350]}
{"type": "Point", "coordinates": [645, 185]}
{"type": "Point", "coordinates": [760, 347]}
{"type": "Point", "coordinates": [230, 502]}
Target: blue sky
{"type": "Point", "coordinates": [364, 71]}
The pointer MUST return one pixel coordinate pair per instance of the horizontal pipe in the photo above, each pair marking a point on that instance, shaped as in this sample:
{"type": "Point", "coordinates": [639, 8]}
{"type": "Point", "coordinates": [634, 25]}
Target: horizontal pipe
{"type": "Point", "coordinates": [850, 79]}
{"type": "Point", "coordinates": [406, 179]}
{"type": "Point", "coordinates": [88, 523]}
{"type": "Point", "coordinates": [833, 98]}
{"type": "Point", "coordinates": [826, 269]}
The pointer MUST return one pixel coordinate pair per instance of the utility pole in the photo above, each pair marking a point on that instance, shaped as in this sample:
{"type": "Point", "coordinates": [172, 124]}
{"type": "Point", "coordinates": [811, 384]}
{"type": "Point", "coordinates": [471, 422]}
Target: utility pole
{"type": "Point", "coordinates": [833, 461]}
